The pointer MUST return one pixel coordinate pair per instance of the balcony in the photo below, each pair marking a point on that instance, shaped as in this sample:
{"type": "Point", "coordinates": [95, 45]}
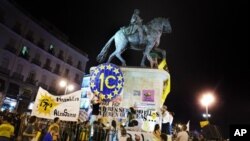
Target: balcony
{"type": "Point", "coordinates": [40, 44]}
{"type": "Point", "coordinates": [17, 29]}
{"type": "Point", "coordinates": [44, 86]}
{"type": "Point", "coordinates": [79, 67]}
{"type": "Point", "coordinates": [26, 57]}
{"type": "Point", "coordinates": [57, 71]}
{"type": "Point", "coordinates": [4, 70]}
{"type": "Point", "coordinates": [60, 56]}
{"type": "Point", "coordinates": [17, 76]}
{"type": "Point", "coordinates": [11, 48]}
{"type": "Point", "coordinates": [53, 90]}
{"type": "Point", "coordinates": [47, 67]}
{"type": "Point", "coordinates": [36, 61]}
{"type": "Point", "coordinates": [69, 62]}
{"type": "Point", "coordinates": [30, 38]}
{"type": "Point", "coordinates": [78, 81]}
{"type": "Point", "coordinates": [31, 81]}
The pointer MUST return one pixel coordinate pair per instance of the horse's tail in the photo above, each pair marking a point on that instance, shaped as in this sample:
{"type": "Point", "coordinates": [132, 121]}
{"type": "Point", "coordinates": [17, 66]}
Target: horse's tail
{"type": "Point", "coordinates": [102, 55]}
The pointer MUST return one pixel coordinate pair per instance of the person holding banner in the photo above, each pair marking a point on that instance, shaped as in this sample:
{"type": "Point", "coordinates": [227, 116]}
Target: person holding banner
{"type": "Point", "coordinates": [30, 131]}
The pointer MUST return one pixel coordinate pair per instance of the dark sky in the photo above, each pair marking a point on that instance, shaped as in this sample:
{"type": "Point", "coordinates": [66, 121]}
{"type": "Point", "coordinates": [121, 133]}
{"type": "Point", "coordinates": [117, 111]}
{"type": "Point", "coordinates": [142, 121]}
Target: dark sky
{"type": "Point", "coordinates": [207, 49]}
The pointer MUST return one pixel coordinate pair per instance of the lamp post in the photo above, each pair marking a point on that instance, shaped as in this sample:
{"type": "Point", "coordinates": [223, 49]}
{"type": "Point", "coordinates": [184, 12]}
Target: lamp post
{"type": "Point", "coordinates": [206, 100]}
{"type": "Point", "coordinates": [68, 87]}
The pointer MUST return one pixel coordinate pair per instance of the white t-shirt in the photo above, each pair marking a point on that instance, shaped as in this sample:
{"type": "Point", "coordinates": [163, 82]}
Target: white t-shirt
{"type": "Point", "coordinates": [165, 117]}
{"type": "Point", "coordinates": [182, 136]}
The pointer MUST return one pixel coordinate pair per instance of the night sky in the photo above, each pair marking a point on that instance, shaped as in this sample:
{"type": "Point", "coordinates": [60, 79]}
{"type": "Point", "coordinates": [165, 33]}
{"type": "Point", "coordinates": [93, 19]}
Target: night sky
{"type": "Point", "coordinates": [207, 49]}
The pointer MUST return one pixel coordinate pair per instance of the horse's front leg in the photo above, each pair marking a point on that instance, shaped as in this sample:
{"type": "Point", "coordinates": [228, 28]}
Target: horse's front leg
{"type": "Point", "coordinates": [146, 54]}
{"type": "Point", "coordinates": [143, 60]}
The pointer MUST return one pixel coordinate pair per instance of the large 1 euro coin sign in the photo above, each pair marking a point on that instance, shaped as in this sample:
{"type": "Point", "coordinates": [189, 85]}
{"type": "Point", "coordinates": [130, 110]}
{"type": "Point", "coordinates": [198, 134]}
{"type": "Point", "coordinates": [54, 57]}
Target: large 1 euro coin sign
{"type": "Point", "coordinates": [106, 81]}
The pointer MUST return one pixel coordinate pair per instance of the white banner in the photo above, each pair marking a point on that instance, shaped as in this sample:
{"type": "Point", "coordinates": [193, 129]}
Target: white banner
{"type": "Point", "coordinates": [65, 107]}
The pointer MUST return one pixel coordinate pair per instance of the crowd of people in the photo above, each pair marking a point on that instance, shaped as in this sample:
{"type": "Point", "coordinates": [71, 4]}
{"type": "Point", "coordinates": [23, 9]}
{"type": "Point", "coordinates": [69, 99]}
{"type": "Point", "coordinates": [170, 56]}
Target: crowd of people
{"type": "Point", "coordinates": [16, 127]}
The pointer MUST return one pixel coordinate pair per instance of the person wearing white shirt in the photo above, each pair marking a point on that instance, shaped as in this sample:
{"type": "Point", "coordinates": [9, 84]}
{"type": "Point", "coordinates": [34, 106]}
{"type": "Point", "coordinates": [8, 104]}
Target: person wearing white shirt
{"type": "Point", "coordinates": [182, 135]}
{"type": "Point", "coordinates": [165, 120]}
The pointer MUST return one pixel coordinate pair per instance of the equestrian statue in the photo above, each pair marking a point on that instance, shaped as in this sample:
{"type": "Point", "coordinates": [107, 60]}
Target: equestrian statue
{"type": "Point", "coordinates": [139, 37]}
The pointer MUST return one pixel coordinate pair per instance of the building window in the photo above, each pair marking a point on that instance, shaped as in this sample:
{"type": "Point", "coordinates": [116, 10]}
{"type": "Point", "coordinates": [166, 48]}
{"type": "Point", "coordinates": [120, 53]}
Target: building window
{"type": "Point", "coordinates": [43, 82]}
{"type": "Point", "coordinates": [24, 53]}
{"type": "Point", "coordinates": [2, 14]}
{"type": "Point", "coordinates": [18, 74]}
{"type": "Point", "coordinates": [4, 66]}
{"type": "Point", "coordinates": [47, 65]}
{"type": "Point", "coordinates": [36, 59]}
{"type": "Point", "coordinates": [69, 60]}
{"type": "Point", "coordinates": [60, 55]}
{"type": "Point", "coordinates": [52, 49]}
{"type": "Point", "coordinates": [5, 62]}
{"type": "Point", "coordinates": [77, 78]}
{"type": "Point", "coordinates": [57, 69]}
{"type": "Point", "coordinates": [30, 35]}
{"type": "Point", "coordinates": [11, 46]}
{"type": "Point", "coordinates": [31, 78]}
{"type": "Point", "coordinates": [66, 73]}
{"type": "Point", "coordinates": [17, 27]}
{"type": "Point", "coordinates": [79, 65]}
{"type": "Point", "coordinates": [40, 43]}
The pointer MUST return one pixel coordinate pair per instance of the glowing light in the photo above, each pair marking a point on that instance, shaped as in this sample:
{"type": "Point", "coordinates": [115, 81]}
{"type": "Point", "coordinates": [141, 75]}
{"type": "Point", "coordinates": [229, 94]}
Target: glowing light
{"type": "Point", "coordinates": [207, 99]}
{"type": "Point", "coordinates": [62, 83]}
{"type": "Point", "coordinates": [71, 87]}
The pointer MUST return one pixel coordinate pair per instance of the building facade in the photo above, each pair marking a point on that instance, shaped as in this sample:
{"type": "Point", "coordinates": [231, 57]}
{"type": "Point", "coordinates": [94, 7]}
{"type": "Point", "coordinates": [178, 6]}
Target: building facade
{"type": "Point", "coordinates": [33, 56]}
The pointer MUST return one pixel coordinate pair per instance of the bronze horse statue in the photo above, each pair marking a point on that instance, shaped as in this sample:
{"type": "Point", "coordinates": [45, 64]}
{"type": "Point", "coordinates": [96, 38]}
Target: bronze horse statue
{"type": "Point", "coordinates": [152, 34]}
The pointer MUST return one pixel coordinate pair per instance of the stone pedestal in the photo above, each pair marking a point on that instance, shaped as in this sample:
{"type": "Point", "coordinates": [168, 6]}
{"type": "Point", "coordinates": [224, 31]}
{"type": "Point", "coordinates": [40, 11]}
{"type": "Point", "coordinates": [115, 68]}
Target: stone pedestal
{"type": "Point", "coordinates": [143, 88]}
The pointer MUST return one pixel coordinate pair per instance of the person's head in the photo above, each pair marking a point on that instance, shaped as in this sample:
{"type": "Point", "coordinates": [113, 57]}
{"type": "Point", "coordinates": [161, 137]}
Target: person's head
{"type": "Point", "coordinates": [54, 129]}
{"type": "Point", "coordinates": [136, 11]}
{"type": "Point", "coordinates": [164, 108]}
{"type": "Point", "coordinates": [32, 119]}
{"type": "Point", "coordinates": [129, 139]}
{"type": "Point", "coordinates": [137, 137]}
{"type": "Point", "coordinates": [132, 110]}
{"type": "Point", "coordinates": [56, 120]}
{"type": "Point", "coordinates": [123, 132]}
{"type": "Point", "coordinates": [157, 127]}
{"type": "Point", "coordinates": [6, 119]}
{"type": "Point", "coordinates": [164, 137]}
{"type": "Point", "coordinates": [184, 127]}
{"type": "Point", "coordinates": [113, 123]}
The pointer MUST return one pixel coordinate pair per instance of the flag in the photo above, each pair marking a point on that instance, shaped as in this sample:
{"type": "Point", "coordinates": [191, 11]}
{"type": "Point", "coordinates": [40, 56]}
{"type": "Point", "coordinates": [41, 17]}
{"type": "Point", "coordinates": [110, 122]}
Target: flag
{"type": "Point", "coordinates": [188, 125]}
{"type": "Point", "coordinates": [204, 123]}
{"type": "Point", "coordinates": [163, 64]}
{"type": "Point", "coordinates": [166, 90]}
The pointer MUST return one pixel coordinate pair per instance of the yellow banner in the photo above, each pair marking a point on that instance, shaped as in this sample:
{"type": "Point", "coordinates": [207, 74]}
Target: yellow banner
{"type": "Point", "coordinates": [163, 64]}
{"type": "Point", "coordinates": [204, 123]}
{"type": "Point", "coordinates": [166, 89]}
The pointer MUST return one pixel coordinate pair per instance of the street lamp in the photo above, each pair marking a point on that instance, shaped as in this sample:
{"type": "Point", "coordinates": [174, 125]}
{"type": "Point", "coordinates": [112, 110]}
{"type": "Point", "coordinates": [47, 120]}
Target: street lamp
{"type": "Point", "coordinates": [206, 100]}
{"type": "Point", "coordinates": [68, 87]}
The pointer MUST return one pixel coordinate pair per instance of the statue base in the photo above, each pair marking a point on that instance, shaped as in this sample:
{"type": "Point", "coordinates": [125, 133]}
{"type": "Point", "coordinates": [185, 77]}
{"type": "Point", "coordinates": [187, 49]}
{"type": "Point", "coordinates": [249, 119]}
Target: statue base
{"type": "Point", "coordinates": [143, 87]}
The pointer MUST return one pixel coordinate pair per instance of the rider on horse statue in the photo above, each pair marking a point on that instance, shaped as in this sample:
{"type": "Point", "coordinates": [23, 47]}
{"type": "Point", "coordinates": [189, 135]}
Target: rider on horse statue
{"type": "Point", "coordinates": [136, 25]}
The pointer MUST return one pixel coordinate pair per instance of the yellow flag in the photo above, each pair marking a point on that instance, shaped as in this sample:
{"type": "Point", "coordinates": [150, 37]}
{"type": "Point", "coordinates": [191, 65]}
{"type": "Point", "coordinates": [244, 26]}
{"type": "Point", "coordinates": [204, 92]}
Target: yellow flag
{"type": "Point", "coordinates": [204, 123]}
{"type": "Point", "coordinates": [166, 91]}
{"type": "Point", "coordinates": [162, 65]}
{"type": "Point", "coordinates": [166, 88]}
